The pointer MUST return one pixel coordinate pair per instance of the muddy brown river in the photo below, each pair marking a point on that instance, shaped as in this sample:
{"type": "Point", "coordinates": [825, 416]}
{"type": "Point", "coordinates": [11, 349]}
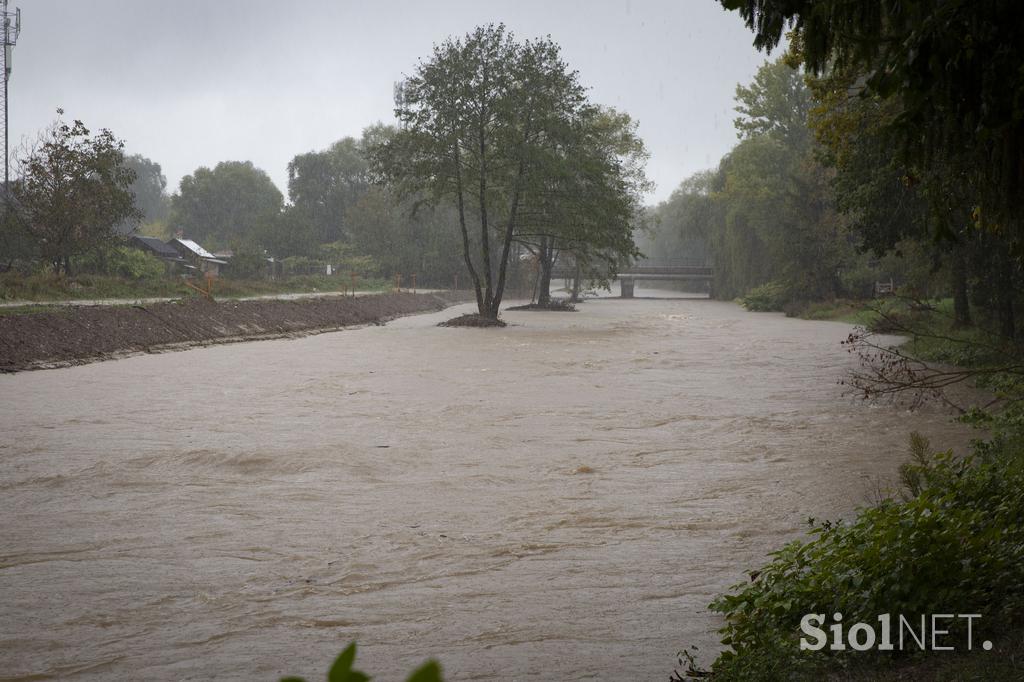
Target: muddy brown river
{"type": "Point", "coordinates": [557, 500]}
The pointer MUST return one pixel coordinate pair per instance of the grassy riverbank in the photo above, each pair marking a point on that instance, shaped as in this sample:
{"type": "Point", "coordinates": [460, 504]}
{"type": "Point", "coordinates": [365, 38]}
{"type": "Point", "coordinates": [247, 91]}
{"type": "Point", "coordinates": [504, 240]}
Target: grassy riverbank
{"type": "Point", "coordinates": [44, 287]}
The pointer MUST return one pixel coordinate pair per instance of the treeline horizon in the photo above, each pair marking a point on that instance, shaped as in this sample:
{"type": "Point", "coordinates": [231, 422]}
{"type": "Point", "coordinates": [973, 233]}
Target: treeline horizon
{"type": "Point", "coordinates": [331, 212]}
{"type": "Point", "coordinates": [523, 167]}
{"type": "Point", "coordinates": [815, 202]}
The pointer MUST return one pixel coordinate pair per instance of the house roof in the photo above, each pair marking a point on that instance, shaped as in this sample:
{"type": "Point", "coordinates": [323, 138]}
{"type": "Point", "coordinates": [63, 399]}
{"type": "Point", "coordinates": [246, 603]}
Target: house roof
{"type": "Point", "coordinates": [156, 246]}
{"type": "Point", "coordinates": [194, 248]}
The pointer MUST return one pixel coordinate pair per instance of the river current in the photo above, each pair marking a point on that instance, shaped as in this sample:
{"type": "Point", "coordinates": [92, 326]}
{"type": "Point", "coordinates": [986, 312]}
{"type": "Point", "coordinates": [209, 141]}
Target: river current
{"type": "Point", "coordinates": [556, 500]}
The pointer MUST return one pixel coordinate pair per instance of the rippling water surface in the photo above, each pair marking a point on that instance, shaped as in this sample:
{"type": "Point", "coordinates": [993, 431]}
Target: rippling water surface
{"type": "Point", "coordinates": [557, 500]}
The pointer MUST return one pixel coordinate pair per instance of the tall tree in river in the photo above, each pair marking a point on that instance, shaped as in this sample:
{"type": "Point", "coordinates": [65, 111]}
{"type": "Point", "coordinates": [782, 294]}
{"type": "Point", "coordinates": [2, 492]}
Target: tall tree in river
{"type": "Point", "coordinates": [474, 122]}
{"type": "Point", "coordinates": [588, 200]}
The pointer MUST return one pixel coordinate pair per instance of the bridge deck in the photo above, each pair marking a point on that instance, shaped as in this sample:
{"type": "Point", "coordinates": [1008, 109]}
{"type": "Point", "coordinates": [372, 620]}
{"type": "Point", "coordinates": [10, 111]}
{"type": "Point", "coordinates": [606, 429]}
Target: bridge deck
{"type": "Point", "coordinates": [674, 273]}
{"type": "Point", "coordinates": [662, 272]}
{"type": "Point", "coordinates": [650, 272]}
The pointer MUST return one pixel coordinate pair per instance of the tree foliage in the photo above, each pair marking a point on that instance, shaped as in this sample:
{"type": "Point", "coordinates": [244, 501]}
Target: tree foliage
{"type": "Point", "coordinates": [406, 238]}
{"type": "Point", "coordinates": [951, 69]}
{"type": "Point", "coordinates": [766, 214]}
{"type": "Point", "coordinates": [149, 188]}
{"type": "Point", "coordinates": [499, 129]}
{"type": "Point", "coordinates": [587, 202]}
{"type": "Point", "coordinates": [324, 186]}
{"type": "Point", "coordinates": [225, 205]}
{"type": "Point", "coordinates": [775, 105]}
{"type": "Point", "coordinates": [71, 192]}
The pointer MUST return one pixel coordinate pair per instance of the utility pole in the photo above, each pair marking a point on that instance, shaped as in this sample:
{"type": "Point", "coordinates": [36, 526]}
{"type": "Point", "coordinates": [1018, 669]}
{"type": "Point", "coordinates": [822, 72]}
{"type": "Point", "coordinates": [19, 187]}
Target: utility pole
{"type": "Point", "coordinates": [11, 29]}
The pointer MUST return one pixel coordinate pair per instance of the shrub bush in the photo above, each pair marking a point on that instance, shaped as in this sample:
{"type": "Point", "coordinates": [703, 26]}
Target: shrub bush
{"type": "Point", "coordinates": [248, 263]}
{"type": "Point", "coordinates": [953, 542]}
{"type": "Point", "coordinates": [121, 261]}
{"type": "Point", "coordinates": [770, 297]}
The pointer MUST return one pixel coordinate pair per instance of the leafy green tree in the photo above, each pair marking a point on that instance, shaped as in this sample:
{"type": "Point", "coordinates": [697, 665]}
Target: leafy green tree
{"type": "Point", "coordinates": [149, 188]}
{"type": "Point", "coordinates": [72, 191]}
{"type": "Point", "coordinates": [474, 121]}
{"type": "Point", "coordinates": [287, 233]}
{"type": "Point", "coordinates": [17, 246]}
{"type": "Point", "coordinates": [767, 214]}
{"type": "Point", "coordinates": [324, 185]}
{"type": "Point", "coordinates": [588, 200]}
{"type": "Point", "coordinates": [889, 204]}
{"type": "Point", "coordinates": [776, 105]}
{"type": "Point", "coordinates": [951, 69]}
{"type": "Point", "coordinates": [225, 205]}
{"type": "Point", "coordinates": [680, 226]}
{"type": "Point", "coordinates": [407, 237]}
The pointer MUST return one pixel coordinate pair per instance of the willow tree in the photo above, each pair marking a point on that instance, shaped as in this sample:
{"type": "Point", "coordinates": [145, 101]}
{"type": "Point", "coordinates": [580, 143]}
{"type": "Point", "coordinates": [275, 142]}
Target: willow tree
{"type": "Point", "coordinates": [474, 123]}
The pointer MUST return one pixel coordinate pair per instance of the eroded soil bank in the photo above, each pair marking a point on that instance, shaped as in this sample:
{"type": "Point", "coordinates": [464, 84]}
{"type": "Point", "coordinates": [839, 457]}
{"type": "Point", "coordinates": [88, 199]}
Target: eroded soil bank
{"type": "Point", "coordinates": [77, 335]}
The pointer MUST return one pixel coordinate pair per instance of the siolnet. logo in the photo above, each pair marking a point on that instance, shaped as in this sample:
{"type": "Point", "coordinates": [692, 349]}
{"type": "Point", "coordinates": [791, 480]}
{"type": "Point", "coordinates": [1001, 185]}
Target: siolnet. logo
{"type": "Point", "coordinates": [924, 633]}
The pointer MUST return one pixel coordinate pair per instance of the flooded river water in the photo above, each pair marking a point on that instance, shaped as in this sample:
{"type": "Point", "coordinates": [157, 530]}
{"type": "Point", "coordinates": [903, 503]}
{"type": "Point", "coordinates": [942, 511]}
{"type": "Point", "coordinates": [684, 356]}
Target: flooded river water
{"type": "Point", "coordinates": [556, 500]}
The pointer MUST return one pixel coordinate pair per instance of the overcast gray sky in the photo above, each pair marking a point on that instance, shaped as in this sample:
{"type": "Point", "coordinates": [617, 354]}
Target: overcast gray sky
{"type": "Point", "coordinates": [189, 83]}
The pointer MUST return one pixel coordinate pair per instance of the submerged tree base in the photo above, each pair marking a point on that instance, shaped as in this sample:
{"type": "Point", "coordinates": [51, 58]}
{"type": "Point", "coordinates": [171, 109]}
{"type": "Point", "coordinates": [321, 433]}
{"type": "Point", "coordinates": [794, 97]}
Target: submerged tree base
{"type": "Point", "coordinates": [559, 305]}
{"type": "Point", "coordinates": [472, 320]}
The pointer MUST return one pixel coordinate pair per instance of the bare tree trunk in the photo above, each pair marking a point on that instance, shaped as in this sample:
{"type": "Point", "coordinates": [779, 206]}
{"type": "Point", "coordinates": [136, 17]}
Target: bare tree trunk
{"type": "Point", "coordinates": [485, 238]}
{"type": "Point", "coordinates": [510, 227]}
{"type": "Point", "coordinates": [466, 255]}
{"type": "Point", "coordinates": [577, 276]}
{"type": "Point", "coordinates": [546, 261]}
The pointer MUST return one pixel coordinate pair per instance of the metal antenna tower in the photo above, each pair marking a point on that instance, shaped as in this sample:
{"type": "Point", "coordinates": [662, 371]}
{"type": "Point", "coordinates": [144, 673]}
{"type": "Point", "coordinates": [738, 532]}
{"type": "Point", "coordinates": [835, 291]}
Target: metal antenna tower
{"type": "Point", "coordinates": [11, 29]}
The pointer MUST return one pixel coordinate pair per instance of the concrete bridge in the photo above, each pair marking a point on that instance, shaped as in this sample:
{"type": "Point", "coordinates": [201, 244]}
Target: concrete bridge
{"type": "Point", "coordinates": [672, 271]}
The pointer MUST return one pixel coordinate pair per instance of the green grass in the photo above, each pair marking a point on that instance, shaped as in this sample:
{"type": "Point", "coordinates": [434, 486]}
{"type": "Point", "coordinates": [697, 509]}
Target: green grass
{"type": "Point", "coordinates": [840, 310]}
{"type": "Point", "coordinates": [931, 316]}
{"type": "Point", "coordinates": [44, 287]}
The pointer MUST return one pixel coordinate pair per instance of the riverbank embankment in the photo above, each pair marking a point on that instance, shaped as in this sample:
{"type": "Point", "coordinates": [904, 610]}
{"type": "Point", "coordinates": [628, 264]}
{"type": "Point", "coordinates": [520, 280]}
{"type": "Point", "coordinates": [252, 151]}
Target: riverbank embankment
{"type": "Point", "coordinates": [72, 335]}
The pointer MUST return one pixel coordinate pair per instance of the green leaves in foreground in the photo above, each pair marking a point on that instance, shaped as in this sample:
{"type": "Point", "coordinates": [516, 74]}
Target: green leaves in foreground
{"type": "Point", "coordinates": [342, 671]}
{"type": "Point", "coordinates": [952, 541]}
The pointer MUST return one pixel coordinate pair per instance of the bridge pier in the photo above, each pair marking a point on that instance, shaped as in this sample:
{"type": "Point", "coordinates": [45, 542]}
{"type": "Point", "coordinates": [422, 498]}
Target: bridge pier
{"type": "Point", "coordinates": [626, 286]}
